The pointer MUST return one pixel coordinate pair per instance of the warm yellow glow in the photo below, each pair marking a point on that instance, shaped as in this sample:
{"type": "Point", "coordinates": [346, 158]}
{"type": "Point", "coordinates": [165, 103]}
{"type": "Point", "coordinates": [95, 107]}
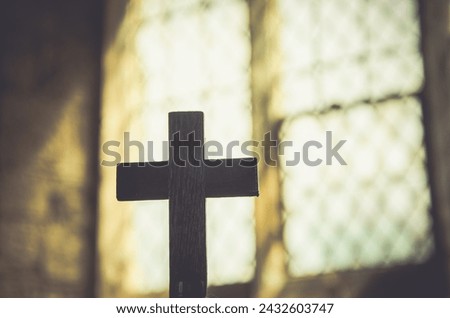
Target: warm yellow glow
{"type": "Point", "coordinates": [197, 59]}
{"type": "Point", "coordinates": [181, 55]}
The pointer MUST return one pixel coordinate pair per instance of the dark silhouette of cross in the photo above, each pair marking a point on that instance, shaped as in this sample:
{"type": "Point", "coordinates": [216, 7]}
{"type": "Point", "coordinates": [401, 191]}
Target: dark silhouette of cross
{"type": "Point", "coordinates": [186, 180]}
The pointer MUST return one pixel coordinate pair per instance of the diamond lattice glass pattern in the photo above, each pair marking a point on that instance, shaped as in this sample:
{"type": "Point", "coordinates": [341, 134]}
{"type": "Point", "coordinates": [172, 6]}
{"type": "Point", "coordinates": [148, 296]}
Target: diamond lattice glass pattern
{"type": "Point", "coordinates": [374, 211]}
{"type": "Point", "coordinates": [341, 51]}
{"type": "Point", "coordinates": [195, 56]}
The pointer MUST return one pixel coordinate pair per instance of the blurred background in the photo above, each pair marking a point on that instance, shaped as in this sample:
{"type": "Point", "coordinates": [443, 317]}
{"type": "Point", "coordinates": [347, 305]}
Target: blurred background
{"type": "Point", "coordinates": [76, 74]}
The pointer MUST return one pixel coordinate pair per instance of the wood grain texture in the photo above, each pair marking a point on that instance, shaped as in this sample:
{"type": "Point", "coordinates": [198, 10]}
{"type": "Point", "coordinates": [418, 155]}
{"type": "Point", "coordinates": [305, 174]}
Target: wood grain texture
{"type": "Point", "coordinates": [187, 210]}
{"type": "Point", "coordinates": [231, 178]}
{"type": "Point", "coordinates": [224, 178]}
{"type": "Point", "coordinates": [186, 180]}
{"type": "Point", "coordinates": [136, 181]}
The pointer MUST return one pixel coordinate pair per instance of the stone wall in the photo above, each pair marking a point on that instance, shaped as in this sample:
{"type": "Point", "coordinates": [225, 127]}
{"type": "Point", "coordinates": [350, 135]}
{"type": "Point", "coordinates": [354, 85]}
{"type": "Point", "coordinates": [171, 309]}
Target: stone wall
{"type": "Point", "coordinates": [49, 106]}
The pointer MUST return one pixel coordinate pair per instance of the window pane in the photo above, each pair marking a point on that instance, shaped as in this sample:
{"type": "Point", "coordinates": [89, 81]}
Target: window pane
{"type": "Point", "coordinates": [372, 211]}
{"type": "Point", "coordinates": [341, 51]}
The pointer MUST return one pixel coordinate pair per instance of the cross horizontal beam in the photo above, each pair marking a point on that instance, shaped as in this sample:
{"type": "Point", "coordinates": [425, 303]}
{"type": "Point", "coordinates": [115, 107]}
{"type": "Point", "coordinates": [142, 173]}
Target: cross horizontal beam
{"type": "Point", "coordinates": [223, 178]}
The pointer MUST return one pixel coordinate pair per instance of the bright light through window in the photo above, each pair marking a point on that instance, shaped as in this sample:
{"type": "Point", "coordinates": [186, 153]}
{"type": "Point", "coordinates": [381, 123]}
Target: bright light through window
{"type": "Point", "coordinates": [374, 211]}
{"type": "Point", "coordinates": [361, 57]}
{"type": "Point", "coordinates": [195, 56]}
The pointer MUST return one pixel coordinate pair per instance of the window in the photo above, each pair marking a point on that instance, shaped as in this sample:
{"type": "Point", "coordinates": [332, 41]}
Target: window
{"type": "Point", "coordinates": [352, 67]}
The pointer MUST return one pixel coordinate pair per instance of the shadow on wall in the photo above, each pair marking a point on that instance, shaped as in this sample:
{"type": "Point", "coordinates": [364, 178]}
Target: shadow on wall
{"type": "Point", "coordinates": [49, 104]}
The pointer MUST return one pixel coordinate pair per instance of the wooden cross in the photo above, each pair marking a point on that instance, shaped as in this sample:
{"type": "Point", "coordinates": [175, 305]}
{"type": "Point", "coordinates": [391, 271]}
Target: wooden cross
{"type": "Point", "coordinates": [186, 180]}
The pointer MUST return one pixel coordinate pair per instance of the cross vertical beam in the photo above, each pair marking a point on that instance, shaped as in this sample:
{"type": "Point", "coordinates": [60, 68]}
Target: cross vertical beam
{"type": "Point", "coordinates": [187, 236]}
